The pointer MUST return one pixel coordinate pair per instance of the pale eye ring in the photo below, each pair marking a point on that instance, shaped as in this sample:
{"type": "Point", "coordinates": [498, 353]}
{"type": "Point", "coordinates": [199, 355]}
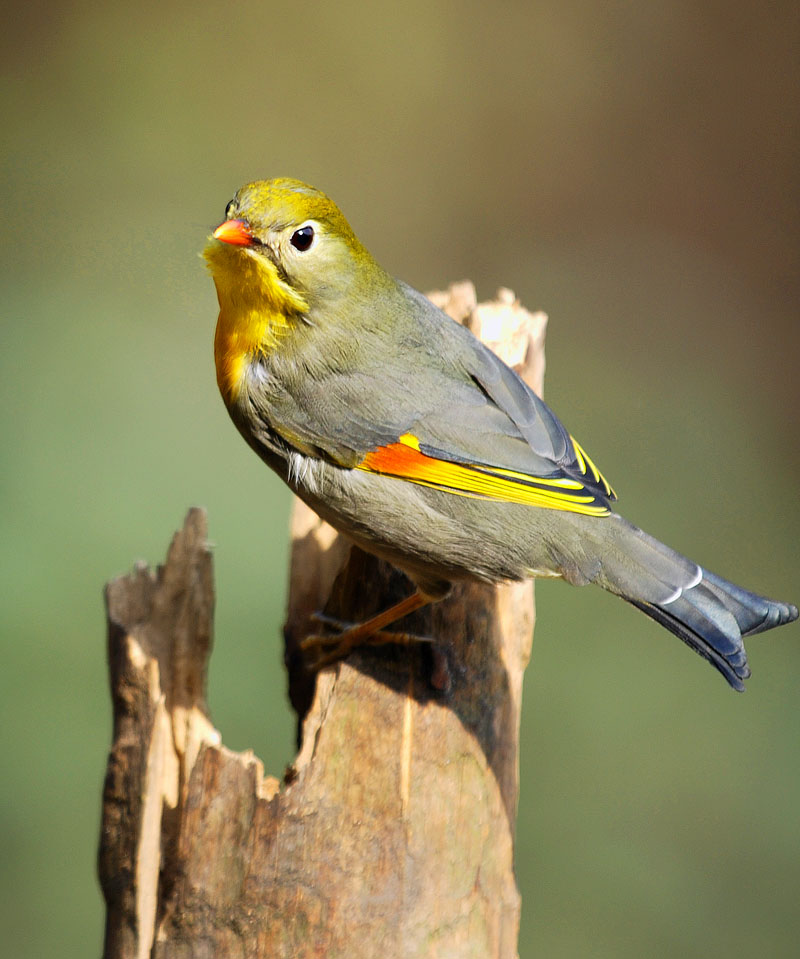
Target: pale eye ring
{"type": "Point", "coordinates": [303, 238]}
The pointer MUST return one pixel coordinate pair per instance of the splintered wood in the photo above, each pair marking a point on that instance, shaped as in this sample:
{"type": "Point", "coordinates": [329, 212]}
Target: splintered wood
{"type": "Point", "coordinates": [392, 834]}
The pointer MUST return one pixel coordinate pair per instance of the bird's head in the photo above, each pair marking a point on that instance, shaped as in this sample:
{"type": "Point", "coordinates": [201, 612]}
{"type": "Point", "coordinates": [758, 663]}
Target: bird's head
{"type": "Point", "coordinates": [286, 246]}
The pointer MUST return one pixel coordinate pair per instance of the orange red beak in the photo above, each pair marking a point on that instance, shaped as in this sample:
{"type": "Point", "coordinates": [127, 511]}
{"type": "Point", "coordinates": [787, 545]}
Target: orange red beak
{"type": "Point", "coordinates": [235, 232]}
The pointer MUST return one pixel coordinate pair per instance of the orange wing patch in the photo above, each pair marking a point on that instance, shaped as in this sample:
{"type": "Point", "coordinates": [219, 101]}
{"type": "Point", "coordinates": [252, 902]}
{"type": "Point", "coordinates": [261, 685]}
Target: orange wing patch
{"type": "Point", "coordinates": [405, 460]}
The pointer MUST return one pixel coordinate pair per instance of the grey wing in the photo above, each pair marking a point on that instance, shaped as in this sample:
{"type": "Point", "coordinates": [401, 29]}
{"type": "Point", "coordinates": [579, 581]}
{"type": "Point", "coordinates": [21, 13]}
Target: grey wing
{"type": "Point", "coordinates": [504, 424]}
{"type": "Point", "coordinates": [470, 407]}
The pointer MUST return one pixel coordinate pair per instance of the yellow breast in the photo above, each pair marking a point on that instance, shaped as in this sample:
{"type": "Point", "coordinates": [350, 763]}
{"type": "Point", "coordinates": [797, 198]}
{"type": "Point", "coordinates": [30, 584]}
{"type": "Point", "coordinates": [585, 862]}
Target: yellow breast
{"type": "Point", "coordinates": [256, 308]}
{"type": "Point", "coordinates": [239, 336]}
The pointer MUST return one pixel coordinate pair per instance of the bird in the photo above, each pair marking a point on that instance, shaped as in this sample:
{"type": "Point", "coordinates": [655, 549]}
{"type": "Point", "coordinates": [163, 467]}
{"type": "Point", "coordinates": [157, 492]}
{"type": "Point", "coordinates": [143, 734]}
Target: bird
{"type": "Point", "coordinates": [407, 434]}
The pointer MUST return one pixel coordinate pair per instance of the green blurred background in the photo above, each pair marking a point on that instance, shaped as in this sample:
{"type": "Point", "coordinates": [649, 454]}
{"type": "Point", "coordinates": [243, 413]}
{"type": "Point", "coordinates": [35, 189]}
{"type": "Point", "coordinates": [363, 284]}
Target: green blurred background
{"type": "Point", "coordinates": [632, 169]}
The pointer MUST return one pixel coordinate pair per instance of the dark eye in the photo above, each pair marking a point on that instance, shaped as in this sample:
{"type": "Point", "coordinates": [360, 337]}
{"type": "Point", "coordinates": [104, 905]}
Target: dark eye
{"type": "Point", "coordinates": [303, 238]}
{"type": "Point", "coordinates": [230, 209]}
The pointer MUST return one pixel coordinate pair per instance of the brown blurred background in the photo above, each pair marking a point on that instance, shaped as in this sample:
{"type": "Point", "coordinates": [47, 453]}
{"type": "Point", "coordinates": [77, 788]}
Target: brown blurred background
{"type": "Point", "coordinates": [632, 169]}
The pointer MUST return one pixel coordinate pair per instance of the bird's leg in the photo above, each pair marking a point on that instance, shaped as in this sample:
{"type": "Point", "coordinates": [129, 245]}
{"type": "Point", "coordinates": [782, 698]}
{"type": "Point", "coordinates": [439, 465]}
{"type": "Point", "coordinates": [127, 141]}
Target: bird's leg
{"type": "Point", "coordinates": [378, 638]}
{"type": "Point", "coordinates": [371, 632]}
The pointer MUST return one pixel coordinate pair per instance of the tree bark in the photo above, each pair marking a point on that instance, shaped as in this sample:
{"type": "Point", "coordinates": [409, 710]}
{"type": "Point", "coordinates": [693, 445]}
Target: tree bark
{"type": "Point", "coordinates": [392, 834]}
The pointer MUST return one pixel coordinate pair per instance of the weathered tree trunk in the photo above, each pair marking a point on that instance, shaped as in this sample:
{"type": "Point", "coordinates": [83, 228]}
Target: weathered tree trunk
{"type": "Point", "coordinates": [393, 834]}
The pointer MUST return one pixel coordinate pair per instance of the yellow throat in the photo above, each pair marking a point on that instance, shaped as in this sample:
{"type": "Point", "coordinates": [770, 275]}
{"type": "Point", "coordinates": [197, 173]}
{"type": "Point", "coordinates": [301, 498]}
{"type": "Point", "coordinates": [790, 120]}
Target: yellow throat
{"type": "Point", "coordinates": [255, 308]}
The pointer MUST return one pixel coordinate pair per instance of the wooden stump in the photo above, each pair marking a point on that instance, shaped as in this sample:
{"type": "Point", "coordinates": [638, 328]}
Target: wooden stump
{"type": "Point", "coordinates": [392, 834]}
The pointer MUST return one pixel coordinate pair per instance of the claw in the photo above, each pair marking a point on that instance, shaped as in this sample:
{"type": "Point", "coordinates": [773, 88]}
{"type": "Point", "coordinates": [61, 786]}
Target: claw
{"type": "Point", "coordinates": [333, 649]}
{"type": "Point", "coordinates": [369, 633]}
{"type": "Point", "coordinates": [322, 651]}
{"type": "Point", "coordinates": [325, 620]}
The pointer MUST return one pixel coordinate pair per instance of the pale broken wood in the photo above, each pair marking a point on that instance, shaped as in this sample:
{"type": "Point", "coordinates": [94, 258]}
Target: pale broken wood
{"type": "Point", "coordinates": [393, 834]}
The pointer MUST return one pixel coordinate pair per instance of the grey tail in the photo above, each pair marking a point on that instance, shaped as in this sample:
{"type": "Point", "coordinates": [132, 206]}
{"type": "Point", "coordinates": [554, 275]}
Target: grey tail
{"type": "Point", "coordinates": [708, 613]}
{"type": "Point", "coordinates": [712, 617]}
